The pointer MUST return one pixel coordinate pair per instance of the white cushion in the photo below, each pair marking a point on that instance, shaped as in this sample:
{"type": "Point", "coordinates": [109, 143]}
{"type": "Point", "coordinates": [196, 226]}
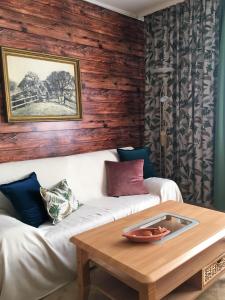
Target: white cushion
{"type": "Point", "coordinates": [6, 206]}
{"type": "Point", "coordinates": [92, 214]}
{"type": "Point", "coordinates": [87, 174]}
{"type": "Point", "coordinates": [120, 207]}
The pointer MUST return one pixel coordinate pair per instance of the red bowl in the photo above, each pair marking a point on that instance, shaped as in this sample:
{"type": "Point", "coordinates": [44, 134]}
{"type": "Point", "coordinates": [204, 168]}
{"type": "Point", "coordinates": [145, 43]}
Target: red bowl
{"type": "Point", "coordinates": [146, 235]}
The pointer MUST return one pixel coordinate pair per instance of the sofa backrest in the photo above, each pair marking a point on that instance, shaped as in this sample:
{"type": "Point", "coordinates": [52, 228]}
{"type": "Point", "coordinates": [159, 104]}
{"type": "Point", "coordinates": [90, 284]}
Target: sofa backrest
{"type": "Point", "coordinates": [85, 173]}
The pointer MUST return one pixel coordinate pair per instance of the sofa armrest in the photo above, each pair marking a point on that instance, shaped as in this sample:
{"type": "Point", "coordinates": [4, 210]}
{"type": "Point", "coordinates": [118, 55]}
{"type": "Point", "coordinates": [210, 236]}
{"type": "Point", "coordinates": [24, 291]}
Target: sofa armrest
{"type": "Point", "coordinates": [166, 189]}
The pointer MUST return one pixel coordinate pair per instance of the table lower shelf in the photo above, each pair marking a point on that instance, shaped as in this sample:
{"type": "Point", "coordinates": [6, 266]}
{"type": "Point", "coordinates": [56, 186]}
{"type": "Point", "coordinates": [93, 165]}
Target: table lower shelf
{"type": "Point", "coordinates": [111, 287]}
{"type": "Point", "coordinates": [114, 289]}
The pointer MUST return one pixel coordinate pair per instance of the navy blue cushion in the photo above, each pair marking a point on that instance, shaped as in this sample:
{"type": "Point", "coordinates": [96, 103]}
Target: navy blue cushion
{"type": "Point", "coordinates": [26, 199]}
{"type": "Point", "coordinates": [138, 153]}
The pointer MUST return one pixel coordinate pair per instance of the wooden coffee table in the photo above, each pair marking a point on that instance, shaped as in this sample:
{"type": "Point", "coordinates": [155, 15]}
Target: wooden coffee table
{"type": "Point", "coordinates": [180, 268]}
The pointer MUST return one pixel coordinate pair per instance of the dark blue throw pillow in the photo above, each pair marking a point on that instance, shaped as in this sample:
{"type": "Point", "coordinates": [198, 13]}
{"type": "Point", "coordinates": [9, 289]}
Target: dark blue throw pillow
{"type": "Point", "coordinates": [138, 153]}
{"type": "Point", "coordinates": [26, 199]}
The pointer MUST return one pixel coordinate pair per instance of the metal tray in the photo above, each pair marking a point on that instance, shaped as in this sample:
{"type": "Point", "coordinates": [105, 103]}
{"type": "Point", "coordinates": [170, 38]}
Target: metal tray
{"type": "Point", "coordinates": [175, 223]}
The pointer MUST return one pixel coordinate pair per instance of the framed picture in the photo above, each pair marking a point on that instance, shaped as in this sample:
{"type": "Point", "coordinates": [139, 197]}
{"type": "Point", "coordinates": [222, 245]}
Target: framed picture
{"type": "Point", "coordinates": [41, 87]}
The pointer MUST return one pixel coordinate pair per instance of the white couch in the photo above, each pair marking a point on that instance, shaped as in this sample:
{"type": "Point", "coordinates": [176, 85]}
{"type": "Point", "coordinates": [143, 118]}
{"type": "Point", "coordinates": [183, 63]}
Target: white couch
{"type": "Point", "coordinates": [36, 261]}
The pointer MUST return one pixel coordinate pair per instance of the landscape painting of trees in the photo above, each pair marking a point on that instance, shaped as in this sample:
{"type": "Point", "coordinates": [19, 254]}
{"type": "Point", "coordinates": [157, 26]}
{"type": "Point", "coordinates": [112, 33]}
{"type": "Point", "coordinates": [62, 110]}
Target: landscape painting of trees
{"type": "Point", "coordinates": [40, 87]}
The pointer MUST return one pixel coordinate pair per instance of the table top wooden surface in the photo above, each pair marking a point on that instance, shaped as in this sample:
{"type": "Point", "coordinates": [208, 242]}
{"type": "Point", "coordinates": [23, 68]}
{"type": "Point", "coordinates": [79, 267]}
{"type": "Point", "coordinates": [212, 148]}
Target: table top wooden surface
{"type": "Point", "coordinates": [150, 262]}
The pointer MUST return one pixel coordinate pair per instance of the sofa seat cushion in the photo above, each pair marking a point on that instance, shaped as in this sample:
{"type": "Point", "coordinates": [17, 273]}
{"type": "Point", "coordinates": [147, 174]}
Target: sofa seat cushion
{"type": "Point", "coordinates": [125, 205]}
{"type": "Point", "coordinates": [92, 214]}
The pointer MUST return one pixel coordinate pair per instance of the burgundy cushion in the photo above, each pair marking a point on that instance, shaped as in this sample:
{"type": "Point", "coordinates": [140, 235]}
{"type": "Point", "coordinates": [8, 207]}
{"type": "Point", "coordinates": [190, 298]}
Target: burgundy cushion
{"type": "Point", "coordinates": [125, 178]}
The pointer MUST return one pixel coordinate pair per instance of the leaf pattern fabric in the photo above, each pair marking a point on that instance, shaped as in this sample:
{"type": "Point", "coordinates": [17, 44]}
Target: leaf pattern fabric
{"type": "Point", "coordinates": [185, 38]}
{"type": "Point", "coordinates": [59, 201]}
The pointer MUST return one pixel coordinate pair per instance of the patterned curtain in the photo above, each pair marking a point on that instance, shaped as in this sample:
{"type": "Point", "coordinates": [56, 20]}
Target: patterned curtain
{"type": "Point", "coordinates": [181, 62]}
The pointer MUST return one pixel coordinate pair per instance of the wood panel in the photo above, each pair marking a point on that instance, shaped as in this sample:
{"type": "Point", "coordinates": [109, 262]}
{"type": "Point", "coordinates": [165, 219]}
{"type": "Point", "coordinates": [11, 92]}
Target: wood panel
{"type": "Point", "coordinates": [111, 52]}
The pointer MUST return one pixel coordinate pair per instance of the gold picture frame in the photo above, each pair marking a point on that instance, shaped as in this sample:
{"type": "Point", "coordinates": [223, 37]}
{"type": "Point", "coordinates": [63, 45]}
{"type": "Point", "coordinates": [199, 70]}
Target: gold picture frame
{"type": "Point", "coordinates": [40, 87]}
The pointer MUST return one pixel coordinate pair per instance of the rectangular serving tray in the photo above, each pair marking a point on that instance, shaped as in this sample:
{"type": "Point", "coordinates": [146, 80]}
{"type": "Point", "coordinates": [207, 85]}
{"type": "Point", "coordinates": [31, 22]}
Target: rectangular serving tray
{"type": "Point", "coordinates": [177, 224]}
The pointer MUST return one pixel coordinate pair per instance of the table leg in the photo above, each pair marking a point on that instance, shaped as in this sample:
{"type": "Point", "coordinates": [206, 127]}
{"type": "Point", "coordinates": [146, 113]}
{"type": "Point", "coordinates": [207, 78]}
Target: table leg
{"type": "Point", "coordinates": [83, 273]}
{"type": "Point", "coordinates": [147, 293]}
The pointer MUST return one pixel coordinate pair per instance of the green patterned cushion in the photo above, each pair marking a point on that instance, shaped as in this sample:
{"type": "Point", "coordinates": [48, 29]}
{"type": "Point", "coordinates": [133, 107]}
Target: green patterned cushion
{"type": "Point", "coordinates": [59, 201]}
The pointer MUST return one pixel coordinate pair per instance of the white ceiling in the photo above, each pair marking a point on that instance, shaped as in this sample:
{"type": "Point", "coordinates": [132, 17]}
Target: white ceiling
{"type": "Point", "coordinates": [135, 8]}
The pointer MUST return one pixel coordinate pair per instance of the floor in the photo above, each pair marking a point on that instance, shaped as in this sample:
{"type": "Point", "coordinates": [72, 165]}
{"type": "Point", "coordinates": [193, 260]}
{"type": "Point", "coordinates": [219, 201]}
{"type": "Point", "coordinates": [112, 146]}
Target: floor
{"type": "Point", "coordinates": [216, 292]}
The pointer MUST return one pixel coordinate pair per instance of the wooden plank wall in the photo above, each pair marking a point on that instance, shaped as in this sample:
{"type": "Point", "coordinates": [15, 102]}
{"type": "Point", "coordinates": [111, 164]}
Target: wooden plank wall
{"type": "Point", "coordinates": [111, 52]}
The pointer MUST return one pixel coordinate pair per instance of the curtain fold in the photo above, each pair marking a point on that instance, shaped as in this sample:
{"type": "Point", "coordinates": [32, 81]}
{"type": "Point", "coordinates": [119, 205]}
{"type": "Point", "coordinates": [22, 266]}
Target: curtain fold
{"type": "Point", "coordinates": [184, 38]}
{"type": "Point", "coordinates": [219, 171]}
